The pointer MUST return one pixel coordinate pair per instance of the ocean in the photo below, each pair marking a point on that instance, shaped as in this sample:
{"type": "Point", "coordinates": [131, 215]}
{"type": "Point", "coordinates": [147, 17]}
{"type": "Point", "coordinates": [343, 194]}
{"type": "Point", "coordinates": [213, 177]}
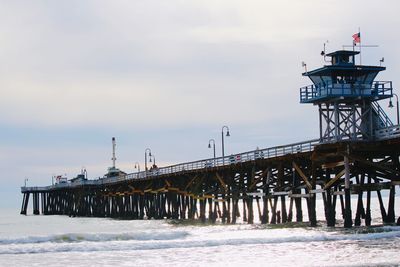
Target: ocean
{"type": "Point", "coordinates": [66, 241]}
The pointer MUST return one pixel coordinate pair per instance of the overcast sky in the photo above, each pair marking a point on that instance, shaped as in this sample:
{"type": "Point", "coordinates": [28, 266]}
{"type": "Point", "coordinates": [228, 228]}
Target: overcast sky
{"type": "Point", "coordinates": [165, 75]}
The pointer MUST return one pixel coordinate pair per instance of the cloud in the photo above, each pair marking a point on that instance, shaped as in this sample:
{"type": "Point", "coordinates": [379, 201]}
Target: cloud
{"type": "Point", "coordinates": [166, 75]}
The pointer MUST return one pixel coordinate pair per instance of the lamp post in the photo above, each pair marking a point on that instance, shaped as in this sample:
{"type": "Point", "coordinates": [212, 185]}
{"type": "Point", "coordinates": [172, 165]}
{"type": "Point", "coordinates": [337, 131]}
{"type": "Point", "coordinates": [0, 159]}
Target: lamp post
{"type": "Point", "coordinates": [209, 145]}
{"type": "Point", "coordinates": [154, 159]}
{"type": "Point", "coordinates": [137, 166]}
{"type": "Point", "coordinates": [25, 180]}
{"type": "Point", "coordinates": [397, 107]}
{"type": "Point", "coordinates": [223, 145]}
{"type": "Point", "coordinates": [146, 152]}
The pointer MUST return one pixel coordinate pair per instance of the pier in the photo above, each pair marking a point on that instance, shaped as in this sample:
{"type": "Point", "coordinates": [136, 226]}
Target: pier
{"type": "Point", "coordinates": [357, 153]}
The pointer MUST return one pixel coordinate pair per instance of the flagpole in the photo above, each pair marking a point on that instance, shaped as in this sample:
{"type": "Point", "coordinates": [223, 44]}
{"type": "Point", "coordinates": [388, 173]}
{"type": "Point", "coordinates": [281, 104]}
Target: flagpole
{"type": "Point", "coordinates": [359, 34]}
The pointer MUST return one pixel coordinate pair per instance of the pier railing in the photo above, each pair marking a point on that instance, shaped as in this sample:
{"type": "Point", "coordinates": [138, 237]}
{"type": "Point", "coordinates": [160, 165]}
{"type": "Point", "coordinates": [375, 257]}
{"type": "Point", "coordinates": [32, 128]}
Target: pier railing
{"type": "Point", "coordinates": [388, 133]}
{"type": "Point", "coordinates": [252, 155]}
{"type": "Point", "coordinates": [272, 152]}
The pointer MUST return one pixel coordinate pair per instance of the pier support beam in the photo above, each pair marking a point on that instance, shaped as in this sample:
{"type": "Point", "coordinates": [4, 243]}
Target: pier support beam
{"type": "Point", "coordinates": [368, 208]}
{"type": "Point", "coordinates": [36, 203]}
{"type": "Point", "coordinates": [25, 201]}
{"type": "Point", "coordinates": [348, 222]}
{"type": "Point", "coordinates": [265, 216]}
{"type": "Point", "coordinates": [390, 218]}
{"type": "Point", "coordinates": [312, 213]}
{"type": "Point", "coordinates": [360, 213]}
{"type": "Point", "coordinates": [330, 202]}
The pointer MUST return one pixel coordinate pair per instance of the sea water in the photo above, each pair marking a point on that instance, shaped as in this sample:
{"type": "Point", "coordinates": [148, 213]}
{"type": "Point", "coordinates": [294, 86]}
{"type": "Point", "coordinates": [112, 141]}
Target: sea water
{"type": "Point", "coordinates": [65, 241]}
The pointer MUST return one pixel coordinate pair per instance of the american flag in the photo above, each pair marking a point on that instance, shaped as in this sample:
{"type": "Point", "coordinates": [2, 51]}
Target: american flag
{"type": "Point", "coordinates": [356, 38]}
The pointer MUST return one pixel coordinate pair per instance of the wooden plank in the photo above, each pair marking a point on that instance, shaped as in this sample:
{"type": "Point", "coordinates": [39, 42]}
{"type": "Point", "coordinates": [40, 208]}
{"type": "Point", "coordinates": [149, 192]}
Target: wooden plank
{"type": "Point", "coordinates": [256, 194]}
{"type": "Point", "coordinates": [131, 187]}
{"type": "Point", "coordinates": [337, 177]}
{"type": "Point", "coordinates": [221, 181]}
{"type": "Point", "coordinates": [374, 164]}
{"type": "Point", "coordinates": [332, 165]}
{"type": "Point", "coordinates": [371, 187]}
{"type": "Point", "coordinates": [173, 189]}
{"type": "Point", "coordinates": [302, 175]}
{"type": "Point", "coordinates": [138, 191]}
{"type": "Point", "coordinates": [281, 193]}
{"type": "Point", "coordinates": [299, 195]}
{"type": "Point", "coordinates": [161, 189]}
{"type": "Point", "coordinates": [190, 182]}
{"type": "Point", "coordinates": [338, 193]}
{"type": "Point", "coordinates": [317, 191]}
{"type": "Point", "coordinates": [256, 181]}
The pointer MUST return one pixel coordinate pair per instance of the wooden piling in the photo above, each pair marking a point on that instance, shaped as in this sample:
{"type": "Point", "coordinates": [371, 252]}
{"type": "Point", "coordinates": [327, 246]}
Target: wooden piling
{"type": "Point", "coordinates": [348, 222]}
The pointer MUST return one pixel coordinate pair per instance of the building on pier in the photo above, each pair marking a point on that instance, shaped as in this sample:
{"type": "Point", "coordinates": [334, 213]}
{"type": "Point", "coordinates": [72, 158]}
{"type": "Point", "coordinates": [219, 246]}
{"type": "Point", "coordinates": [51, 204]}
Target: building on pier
{"type": "Point", "coordinates": [357, 152]}
{"type": "Point", "coordinates": [347, 97]}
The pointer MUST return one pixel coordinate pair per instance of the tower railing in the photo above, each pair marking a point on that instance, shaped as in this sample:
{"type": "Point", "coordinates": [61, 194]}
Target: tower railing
{"type": "Point", "coordinates": [374, 90]}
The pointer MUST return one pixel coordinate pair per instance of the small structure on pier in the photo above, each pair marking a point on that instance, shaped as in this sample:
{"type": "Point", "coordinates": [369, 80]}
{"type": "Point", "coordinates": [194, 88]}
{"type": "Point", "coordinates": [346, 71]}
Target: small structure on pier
{"type": "Point", "coordinates": [80, 178]}
{"type": "Point", "coordinates": [347, 97]}
{"type": "Point", "coordinates": [114, 171]}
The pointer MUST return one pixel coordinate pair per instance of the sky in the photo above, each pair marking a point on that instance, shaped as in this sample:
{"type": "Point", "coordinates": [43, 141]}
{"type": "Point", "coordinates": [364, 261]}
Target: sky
{"type": "Point", "coordinates": [166, 75]}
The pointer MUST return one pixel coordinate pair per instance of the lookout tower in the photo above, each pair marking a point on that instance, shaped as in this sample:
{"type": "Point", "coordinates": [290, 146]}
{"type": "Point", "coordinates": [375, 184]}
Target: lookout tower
{"type": "Point", "coordinates": [347, 97]}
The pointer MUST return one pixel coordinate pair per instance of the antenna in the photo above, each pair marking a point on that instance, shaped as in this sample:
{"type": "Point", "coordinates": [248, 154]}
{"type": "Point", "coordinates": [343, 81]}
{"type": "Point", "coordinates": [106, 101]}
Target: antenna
{"type": "Point", "coordinates": [113, 151]}
{"type": "Point", "coordinates": [381, 61]}
{"type": "Point", "coordinates": [323, 53]}
{"type": "Point", "coordinates": [84, 172]}
{"type": "Point", "coordinates": [304, 65]}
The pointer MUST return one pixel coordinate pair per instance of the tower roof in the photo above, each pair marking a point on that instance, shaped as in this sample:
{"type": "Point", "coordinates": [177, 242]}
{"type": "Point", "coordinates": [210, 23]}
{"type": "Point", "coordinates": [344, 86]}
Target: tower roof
{"type": "Point", "coordinates": [350, 69]}
{"type": "Point", "coordinates": [343, 52]}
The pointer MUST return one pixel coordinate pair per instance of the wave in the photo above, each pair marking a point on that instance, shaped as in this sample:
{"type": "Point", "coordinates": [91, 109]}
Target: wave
{"type": "Point", "coordinates": [112, 242]}
{"type": "Point", "coordinates": [170, 240]}
{"type": "Point", "coordinates": [96, 237]}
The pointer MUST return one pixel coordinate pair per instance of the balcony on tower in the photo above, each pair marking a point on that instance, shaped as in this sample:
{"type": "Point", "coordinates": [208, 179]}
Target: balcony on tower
{"type": "Point", "coordinates": [344, 81]}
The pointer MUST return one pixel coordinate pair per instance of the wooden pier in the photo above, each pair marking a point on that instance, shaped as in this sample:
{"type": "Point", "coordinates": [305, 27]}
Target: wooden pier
{"type": "Point", "coordinates": [357, 152]}
{"type": "Point", "coordinates": [213, 194]}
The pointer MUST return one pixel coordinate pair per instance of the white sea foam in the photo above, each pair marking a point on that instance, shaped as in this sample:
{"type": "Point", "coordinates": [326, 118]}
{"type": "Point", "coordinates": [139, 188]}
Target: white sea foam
{"type": "Point", "coordinates": [96, 237]}
{"type": "Point", "coordinates": [105, 242]}
{"type": "Point", "coordinates": [181, 240]}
